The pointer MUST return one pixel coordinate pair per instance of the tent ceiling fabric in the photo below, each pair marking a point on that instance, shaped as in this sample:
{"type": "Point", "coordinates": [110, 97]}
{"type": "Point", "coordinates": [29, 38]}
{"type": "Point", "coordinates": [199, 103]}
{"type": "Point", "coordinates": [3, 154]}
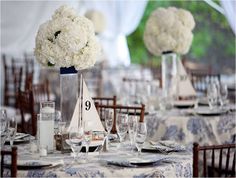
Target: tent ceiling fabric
{"type": "Point", "coordinates": [230, 12]}
{"type": "Point", "coordinates": [20, 21]}
{"type": "Point", "coordinates": [122, 18]}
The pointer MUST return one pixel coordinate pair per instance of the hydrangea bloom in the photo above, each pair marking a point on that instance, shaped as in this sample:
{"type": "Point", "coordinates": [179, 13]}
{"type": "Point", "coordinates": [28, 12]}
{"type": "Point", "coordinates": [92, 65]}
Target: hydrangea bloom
{"type": "Point", "coordinates": [169, 30]}
{"type": "Point", "coordinates": [98, 20]}
{"type": "Point", "coordinates": [67, 40]}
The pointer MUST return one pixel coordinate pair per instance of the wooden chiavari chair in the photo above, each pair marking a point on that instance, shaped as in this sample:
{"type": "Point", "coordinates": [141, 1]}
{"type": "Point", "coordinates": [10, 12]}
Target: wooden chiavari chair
{"type": "Point", "coordinates": [200, 80]}
{"type": "Point", "coordinates": [28, 117]}
{"type": "Point", "coordinates": [13, 168]}
{"type": "Point", "coordinates": [105, 100]}
{"type": "Point", "coordinates": [223, 165]}
{"type": "Point", "coordinates": [9, 94]}
{"type": "Point", "coordinates": [17, 72]}
{"type": "Point", "coordinates": [131, 110]}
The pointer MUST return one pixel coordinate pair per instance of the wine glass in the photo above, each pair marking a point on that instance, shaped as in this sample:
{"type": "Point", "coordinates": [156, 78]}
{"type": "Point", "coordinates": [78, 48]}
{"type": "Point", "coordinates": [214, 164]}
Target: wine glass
{"type": "Point", "coordinates": [12, 128]}
{"type": "Point", "coordinates": [223, 93]}
{"type": "Point", "coordinates": [122, 126]}
{"type": "Point", "coordinates": [212, 94]}
{"type": "Point", "coordinates": [3, 126]}
{"type": "Point", "coordinates": [140, 136]}
{"type": "Point", "coordinates": [57, 119]}
{"type": "Point", "coordinates": [132, 126]}
{"type": "Point", "coordinates": [87, 140]}
{"type": "Point", "coordinates": [108, 121]}
{"type": "Point", "coordinates": [76, 138]}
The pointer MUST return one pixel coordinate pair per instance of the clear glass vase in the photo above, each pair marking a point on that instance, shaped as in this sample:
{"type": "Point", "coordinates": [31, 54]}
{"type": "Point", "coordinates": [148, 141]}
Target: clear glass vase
{"type": "Point", "coordinates": [170, 75]}
{"type": "Point", "coordinates": [69, 92]}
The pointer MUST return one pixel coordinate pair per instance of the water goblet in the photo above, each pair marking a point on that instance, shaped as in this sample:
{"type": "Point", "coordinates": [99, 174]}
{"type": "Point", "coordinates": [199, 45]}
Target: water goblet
{"type": "Point", "coordinates": [108, 122]}
{"type": "Point", "coordinates": [76, 138]}
{"type": "Point", "coordinates": [57, 119]}
{"type": "Point", "coordinates": [87, 140]}
{"type": "Point", "coordinates": [212, 95]}
{"type": "Point", "coordinates": [132, 126]}
{"type": "Point", "coordinates": [223, 94]}
{"type": "Point", "coordinates": [3, 126]}
{"type": "Point", "coordinates": [122, 126]}
{"type": "Point", "coordinates": [12, 128]}
{"type": "Point", "coordinates": [140, 136]}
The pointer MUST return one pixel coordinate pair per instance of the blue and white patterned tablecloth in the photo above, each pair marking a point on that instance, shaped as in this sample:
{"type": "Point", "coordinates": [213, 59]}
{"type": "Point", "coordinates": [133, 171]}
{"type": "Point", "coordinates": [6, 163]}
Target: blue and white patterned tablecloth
{"type": "Point", "coordinates": [177, 126]}
{"type": "Point", "coordinates": [180, 167]}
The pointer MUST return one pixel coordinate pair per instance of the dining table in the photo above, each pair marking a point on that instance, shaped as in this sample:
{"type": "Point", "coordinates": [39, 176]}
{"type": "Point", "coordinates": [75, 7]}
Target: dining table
{"type": "Point", "coordinates": [189, 125]}
{"type": "Point", "coordinates": [109, 163]}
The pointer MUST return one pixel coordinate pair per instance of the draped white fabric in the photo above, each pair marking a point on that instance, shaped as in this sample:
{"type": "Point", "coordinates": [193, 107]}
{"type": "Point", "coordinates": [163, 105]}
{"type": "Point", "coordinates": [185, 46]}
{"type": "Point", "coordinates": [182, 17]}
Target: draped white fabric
{"type": "Point", "coordinates": [230, 12]}
{"type": "Point", "coordinates": [122, 18]}
{"type": "Point", "coordinates": [20, 21]}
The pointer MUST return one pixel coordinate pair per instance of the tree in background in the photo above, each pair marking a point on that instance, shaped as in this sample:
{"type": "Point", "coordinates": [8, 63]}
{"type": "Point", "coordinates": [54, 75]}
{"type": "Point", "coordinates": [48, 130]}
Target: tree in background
{"type": "Point", "coordinates": [213, 42]}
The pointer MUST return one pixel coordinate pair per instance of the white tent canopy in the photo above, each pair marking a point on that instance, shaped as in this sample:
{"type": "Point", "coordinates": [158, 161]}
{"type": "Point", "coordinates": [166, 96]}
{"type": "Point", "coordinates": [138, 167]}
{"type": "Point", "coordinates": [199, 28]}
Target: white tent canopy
{"type": "Point", "coordinates": [20, 21]}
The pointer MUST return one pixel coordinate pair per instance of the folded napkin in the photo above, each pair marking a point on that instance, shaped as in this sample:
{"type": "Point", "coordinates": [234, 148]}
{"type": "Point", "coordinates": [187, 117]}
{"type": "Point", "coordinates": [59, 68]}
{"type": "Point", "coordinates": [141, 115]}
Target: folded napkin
{"type": "Point", "coordinates": [168, 146]}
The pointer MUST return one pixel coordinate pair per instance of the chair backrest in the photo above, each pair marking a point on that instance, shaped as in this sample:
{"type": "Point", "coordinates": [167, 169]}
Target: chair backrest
{"type": "Point", "coordinates": [222, 160]}
{"type": "Point", "coordinates": [131, 110]}
{"type": "Point", "coordinates": [105, 100]}
{"type": "Point", "coordinates": [13, 154]}
{"type": "Point", "coordinates": [26, 106]}
{"type": "Point", "coordinates": [17, 77]}
{"type": "Point", "coordinates": [40, 92]}
{"type": "Point", "coordinates": [200, 80]}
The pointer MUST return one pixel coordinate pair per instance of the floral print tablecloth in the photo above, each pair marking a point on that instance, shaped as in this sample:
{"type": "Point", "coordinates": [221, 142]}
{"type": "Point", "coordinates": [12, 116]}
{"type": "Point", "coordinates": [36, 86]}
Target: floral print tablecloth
{"type": "Point", "coordinates": [180, 166]}
{"type": "Point", "coordinates": [178, 126]}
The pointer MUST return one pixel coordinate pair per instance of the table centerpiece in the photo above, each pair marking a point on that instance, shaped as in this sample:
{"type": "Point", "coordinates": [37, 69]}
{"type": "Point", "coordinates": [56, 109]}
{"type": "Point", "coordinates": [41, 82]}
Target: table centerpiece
{"type": "Point", "coordinates": [169, 31]}
{"type": "Point", "coordinates": [67, 41]}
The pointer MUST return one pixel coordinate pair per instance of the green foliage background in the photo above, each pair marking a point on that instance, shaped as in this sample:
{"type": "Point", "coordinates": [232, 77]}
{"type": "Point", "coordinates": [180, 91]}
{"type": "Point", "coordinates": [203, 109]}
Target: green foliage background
{"type": "Point", "coordinates": [213, 43]}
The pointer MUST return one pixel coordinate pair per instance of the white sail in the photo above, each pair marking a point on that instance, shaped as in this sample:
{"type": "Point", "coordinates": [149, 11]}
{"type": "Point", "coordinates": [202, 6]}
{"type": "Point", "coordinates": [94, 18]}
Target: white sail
{"type": "Point", "coordinates": [185, 86]}
{"type": "Point", "coordinates": [91, 118]}
{"type": "Point", "coordinates": [85, 107]}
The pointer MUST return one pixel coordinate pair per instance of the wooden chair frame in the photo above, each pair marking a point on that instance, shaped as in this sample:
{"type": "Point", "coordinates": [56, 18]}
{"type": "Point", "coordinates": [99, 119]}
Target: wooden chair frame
{"type": "Point", "coordinates": [13, 154]}
{"type": "Point", "coordinates": [137, 110]}
{"type": "Point", "coordinates": [208, 170]}
{"type": "Point", "coordinates": [26, 105]}
{"type": "Point", "coordinates": [105, 100]}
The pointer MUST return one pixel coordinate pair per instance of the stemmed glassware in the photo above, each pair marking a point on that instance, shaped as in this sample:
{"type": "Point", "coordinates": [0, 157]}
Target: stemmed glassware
{"type": "Point", "coordinates": [132, 125]}
{"type": "Point", "coordinates": [3, 126]}
{"type": "Point", "coordinates": [212, 95]}
{"type": "Point", "coordinates": [108, 122]}
{"type": "Point", "coordinates": [87, 140]}
{"type": "Point", "coordinates": [122, 126]}
{"type": "Point", "coordinates": [76, 138]}
{"type": "Point", "coordinates": [140, 136]}
{"type": "Point", "coordinates": [223, 94]}
{"type": "Point", "coordinates": [12, 128]}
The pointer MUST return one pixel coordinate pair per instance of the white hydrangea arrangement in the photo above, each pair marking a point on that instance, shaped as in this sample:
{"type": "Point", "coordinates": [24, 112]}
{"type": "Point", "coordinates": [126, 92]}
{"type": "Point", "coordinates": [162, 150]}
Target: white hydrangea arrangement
{"type": "Point", "coordinates": [67, 40]}
{"type": "Point", "coordinates": [169, 29]}
{"type": "Point", "coordinates": [98, 20]}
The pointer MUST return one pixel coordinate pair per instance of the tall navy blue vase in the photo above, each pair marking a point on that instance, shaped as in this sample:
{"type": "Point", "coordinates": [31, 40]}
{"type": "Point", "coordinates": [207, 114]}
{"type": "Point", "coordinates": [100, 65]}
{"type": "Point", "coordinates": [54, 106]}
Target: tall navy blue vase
{"type": "Point", "coordinates": [69, 92]}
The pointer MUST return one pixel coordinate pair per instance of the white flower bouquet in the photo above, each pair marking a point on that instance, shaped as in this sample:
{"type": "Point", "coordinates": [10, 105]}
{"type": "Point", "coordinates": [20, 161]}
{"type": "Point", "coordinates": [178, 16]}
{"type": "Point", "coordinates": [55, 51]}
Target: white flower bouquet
{"type": "Point", "coordinates": [169, 30]}
{"type": "Point", "coordinates": [98, 20]}
{"type": "Point", "coordinates": [67, 40]}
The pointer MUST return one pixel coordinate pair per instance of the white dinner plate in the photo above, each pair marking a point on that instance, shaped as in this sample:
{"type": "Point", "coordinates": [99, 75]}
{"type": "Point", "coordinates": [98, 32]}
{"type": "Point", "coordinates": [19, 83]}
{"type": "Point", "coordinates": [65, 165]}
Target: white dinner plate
{"type": "Point", "coordinates": [36, 164]}
{"type": "Point", "coordinates": [132, 160]}
{"type": "Point", "coordinates": [184, 103]}
{"type": "Point", "coordinates": [206, 111]}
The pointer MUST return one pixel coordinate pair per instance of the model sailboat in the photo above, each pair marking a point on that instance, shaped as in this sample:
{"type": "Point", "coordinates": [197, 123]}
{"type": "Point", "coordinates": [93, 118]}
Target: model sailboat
{"type": "Point", "coordinates": [85, 112]}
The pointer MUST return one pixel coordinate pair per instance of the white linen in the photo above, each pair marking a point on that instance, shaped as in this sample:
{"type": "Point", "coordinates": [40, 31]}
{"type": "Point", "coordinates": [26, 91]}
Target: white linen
{"type": "Point", "coordinates": [230, 12]}
{"type": "Point", "coordinates": [20, 21]}
{"type": "Point", "coordinates": [122, 18]}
